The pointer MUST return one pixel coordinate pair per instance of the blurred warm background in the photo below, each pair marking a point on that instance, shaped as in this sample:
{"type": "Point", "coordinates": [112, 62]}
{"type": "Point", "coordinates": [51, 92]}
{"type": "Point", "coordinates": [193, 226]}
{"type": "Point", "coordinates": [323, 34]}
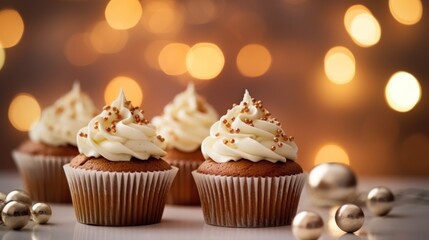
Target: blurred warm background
{"type": "Point", "coordinates": [348, 79]}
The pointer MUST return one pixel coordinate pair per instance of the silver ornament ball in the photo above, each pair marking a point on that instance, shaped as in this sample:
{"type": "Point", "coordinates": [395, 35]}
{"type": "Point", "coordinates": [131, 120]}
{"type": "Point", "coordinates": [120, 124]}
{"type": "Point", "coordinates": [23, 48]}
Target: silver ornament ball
{"type": "Point", "coordinates": [19, 196]}
{"type": "Point", "coordinates": [41, 213]}
{"type": "Point", "coordinates": [307, 225]}
{"type": "Point", "coordinates": [380, 201]}
{"type": "Point", "coordinates": [2, 203]}
{"type": "Point", "coordinates": [349, 218]}
{"type": "Point", "coordinates": [2, 196]}
{"type": "Point", "coordinates": [331, 184]}
{"type": "Point", "coordinates": [15, 215]}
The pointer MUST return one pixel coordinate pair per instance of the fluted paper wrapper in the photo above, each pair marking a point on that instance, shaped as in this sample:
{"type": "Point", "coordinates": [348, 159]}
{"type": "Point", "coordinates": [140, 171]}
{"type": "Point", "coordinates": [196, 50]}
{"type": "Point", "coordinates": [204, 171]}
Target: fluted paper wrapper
{"type": "Point", "coordinates": [119, 198]}
{"type": "Point", "coordinates": [249, 201]}
{"type": "Point", "coordinates": [183, 190]}
{"type": "Point", "coordinates": [43, 176]}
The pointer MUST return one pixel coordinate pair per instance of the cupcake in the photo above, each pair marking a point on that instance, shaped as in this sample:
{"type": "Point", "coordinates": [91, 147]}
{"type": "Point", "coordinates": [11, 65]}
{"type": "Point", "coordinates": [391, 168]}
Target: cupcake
{"type": "Point", "coordinates": [52, 144]}
{"type": "Point", "coordinates": [119, 178]}
{"type": "Point", "coordinates": [250, 177]}
{"type": "Point", "coordinates": [184, 124]}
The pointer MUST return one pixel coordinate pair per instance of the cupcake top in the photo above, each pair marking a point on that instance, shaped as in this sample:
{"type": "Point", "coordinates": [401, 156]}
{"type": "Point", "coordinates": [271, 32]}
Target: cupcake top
{"type": "Point", "coordinates": [120, 132]}
{"type": "Point", "coordinates": [186, 121]}
{"type": "Point", "coordinates": [248, 131]}
{"type": "Point", "coordinates": [60, 122]}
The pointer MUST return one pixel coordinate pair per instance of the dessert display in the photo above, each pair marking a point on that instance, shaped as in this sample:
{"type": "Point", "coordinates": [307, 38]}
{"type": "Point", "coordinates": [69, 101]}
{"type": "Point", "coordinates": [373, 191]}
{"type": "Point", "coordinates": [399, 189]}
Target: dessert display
{"type": "Point", "coordinates": [119, 178]}
{"type": "Point", "coordinates": [184, 124]}
{"type": "Point", "coordinates": [250, 177]}
{"type": "Point", "coordinates": [52, 144]}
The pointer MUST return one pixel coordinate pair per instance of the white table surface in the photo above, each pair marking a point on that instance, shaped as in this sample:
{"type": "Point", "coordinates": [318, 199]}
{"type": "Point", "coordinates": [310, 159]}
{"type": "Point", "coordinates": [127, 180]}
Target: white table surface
{"type": "Point", "coordinates": [405, 221]}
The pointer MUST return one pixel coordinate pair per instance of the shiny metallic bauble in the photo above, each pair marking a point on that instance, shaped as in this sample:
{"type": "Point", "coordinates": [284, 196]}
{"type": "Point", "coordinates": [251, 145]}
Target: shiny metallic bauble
{"type": "Point", "coordinates": [41, 213]}
{"type": "Point", "coordinates": [380, 201]}
{"type": "Point", "coordinates": [19, 196]}
{"type": "Point", "coordinates": [331, 184]}
{"type": "Point", "coordinates": [2, 203]}
{"type": "Point", "coordinates": [307, 225]}
{"type": "Point", "coordinates": [2, 196]}
{"type": "Point", "coordinates": [349, 218]}
{"type": "Point", "coordinates": [15, 215]}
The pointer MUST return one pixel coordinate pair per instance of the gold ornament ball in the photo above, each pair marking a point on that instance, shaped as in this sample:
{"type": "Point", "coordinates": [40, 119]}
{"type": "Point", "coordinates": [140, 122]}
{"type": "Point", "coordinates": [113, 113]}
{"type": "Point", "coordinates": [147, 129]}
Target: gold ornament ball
{"type": "Point", "coordinates": [331, 184]}
{"type": "Point", "coordinates": [307, 225]}
{"type": "Point", "coordinates": [15, 215]}
{"type": "Point", "coordinates": [19, 196]}
{"type": "Point", "coordinates": [349, 218]}
{"type": "Point", "coordinates": [41, 213]}
{"type": "Point", "coordinates": [380, 201]}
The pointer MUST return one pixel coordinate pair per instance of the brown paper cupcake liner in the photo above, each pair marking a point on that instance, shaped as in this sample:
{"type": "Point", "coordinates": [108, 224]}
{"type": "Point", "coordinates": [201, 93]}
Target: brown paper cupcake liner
{"type": "Point", "coordinates": [118, 198]}
{"type": "Point", "coordinates": [183, 190]}
{"type": "Point", "coordinates": [249, 201]}
{"type": "Point", "coordinates": [43, 176]}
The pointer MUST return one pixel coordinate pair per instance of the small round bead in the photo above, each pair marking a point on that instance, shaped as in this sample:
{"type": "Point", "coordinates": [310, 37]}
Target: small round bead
{"type": "Point", "coordinates": [15, 215]}
{"type": "Point", "coordinates": [19, 196]}
{"type": "Point", "coordinates": [307, 225]}
{"type": "Point", "coordinates": [349, 218]}
{"type": "Point", "coordinates": [380, 201]}
{"type": "Point", "coordinates": [2, 196]}
{"type": "Point", "coordinates": [41, 213]}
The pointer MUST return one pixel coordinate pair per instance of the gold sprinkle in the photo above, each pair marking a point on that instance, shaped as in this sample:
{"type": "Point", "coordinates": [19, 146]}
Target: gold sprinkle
{"type": "Point", "coordinates": [105, 118]}
{"type": "Point", "coordinates": [233, 118]}
{"type": "Point", "coordinates": [225, 141]}
{"type": "Point", "coordinates": [217, 134]}
{"type": "Point", "coordinates": [231, 130]}
{"type": "Point", "coordinates": [160, 138]}
{"type": "Point", "coordinates": [273, 148]}
{"type": "Point", "coordinates": [233, 140]}
{"type": "Point", "coordinates": [59, 110]}
{"type": "Point", "coordinates": [276, 139]}
{"type": "Point", "coordinates": [106, 108]}
{"type": "Point", "coordinates": [237, 130]}
{"type": "Point", "coordinates": [224, 121]}
{"type": "Point", "coordinates": [280, 144]}
{"type": "Point", "coordinates": [108, 129]}
{"type": "Point", "coordinates": [291, 138]}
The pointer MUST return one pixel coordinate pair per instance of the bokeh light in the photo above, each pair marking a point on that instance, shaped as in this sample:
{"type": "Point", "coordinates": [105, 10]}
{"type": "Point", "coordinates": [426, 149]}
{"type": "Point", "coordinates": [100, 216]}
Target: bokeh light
{"type": "Point", "coordinates": [11, 27]}
{"type": "Point", "coordinates": [78, 50]}
{"type": "Point", "coordinates": [172, 58]}
{"type": "Point", "coordinates": [331, 153]}
{"type": "Point", "coordinates": [407, 12]}
{"type": "Point", "coordinates": [362, 26]}
{"type": "Point", "coordinates": [162, 17]}
{"type": "Point", "coordinates": [123, 14]}
{"type": "Point", "coordinates": [205, 61]}
{"type": "Point", "coordinates": [132, 90]}
{"type": "Point", "coordinates": [402, 91]}
{"type": "Point", "coordinates": [2, 56]}
{"type": "Point", "coordinates": [340, 65]}
{"type": "Point", "coordinates": [202, 11]}
{"type": "Point", "coordinates": [24, 111]}
{"type": "Point", "coordinates": [253, 60]}
{"type": "Point", "coordinates": [105, 39]}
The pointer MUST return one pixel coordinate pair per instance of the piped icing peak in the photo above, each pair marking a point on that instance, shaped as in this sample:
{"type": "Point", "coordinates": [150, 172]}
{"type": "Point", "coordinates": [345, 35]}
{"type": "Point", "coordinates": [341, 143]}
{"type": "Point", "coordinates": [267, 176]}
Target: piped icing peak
{"type": "Point", "coordinates": [119, 133]}
{"type": "Point", "coordinates": [60, 122]}
{"type": "Point", "coordinates": [186, 121]}
{"type": "Point", "coordinates": [248, 131]}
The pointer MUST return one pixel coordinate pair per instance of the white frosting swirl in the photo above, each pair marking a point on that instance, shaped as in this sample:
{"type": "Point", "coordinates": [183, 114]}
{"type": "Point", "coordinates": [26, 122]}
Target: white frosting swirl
{"type": "Point", "coordinates": [119, 133]}
{"type": "Point", "coordinates": [60, 122]}
{"type": "Point", "coordinates": [247, 131]}
{"type": "Point", "coordinates": [186, 121]}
